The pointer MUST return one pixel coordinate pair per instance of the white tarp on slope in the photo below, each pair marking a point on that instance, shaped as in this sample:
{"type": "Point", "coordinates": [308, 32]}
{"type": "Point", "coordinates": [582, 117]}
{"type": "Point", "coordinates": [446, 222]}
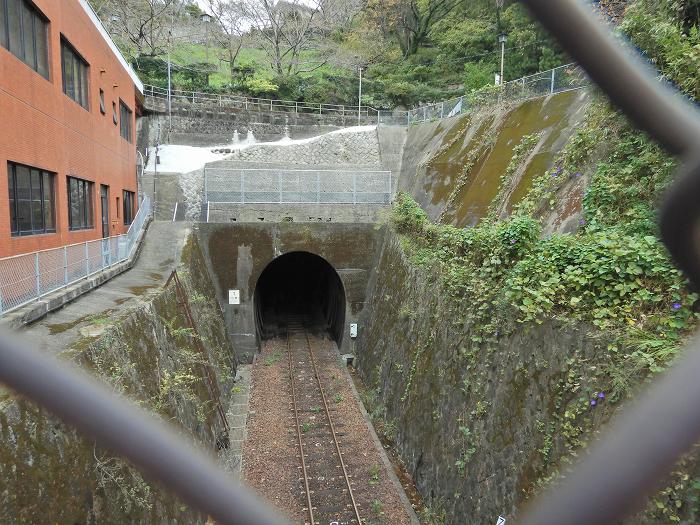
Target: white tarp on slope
{"type": "Point", "coordinates": [184, 159]}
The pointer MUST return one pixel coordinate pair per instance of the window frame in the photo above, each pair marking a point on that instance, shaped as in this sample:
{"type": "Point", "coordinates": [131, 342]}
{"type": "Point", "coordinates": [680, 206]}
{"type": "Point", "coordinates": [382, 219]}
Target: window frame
{"type": "Point", "coordinates": [103, 108]}
{"type": "Point", "coordinates": [40, 55]}
{"type": "Point", "coordinates": [86, 195]}
{"type": "Point", "coordinates": [79, 74]}
{"type": "Point", "coordinates": [129, 206]}
{"type": "Point", "coordinates": [14, 200]}
{"type": "Point", "coordinates": [126, 131]}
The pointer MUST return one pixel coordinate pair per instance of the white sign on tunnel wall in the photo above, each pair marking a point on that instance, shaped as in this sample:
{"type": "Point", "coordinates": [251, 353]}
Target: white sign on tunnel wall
{"type": "Point", "coordinates": [234, 297]}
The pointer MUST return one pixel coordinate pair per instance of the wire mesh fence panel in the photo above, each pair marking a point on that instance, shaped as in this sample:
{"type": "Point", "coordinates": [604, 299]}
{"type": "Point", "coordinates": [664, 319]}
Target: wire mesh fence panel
{"type": "Point", "coordinates": [52, 275]}
{"type": "Point", "coordinates": [17, 280]}
{"type": "Point", "coordinates": [76, 266]}
{"type": "Point", "coordinates": [27, 277]}
{"type": "Point", "coordinates": [269, 186]}
{"type": "Point", "coordinates": [562, 78]}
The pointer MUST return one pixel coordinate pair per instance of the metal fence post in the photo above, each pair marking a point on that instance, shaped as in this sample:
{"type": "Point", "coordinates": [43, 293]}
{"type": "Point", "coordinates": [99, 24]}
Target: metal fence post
{"type": "Point", "coordinates": [551, 89]}
{"type": "Point", "coordinates": [320, 109]}
{"type": "Point", "coordinates": [87, 260]}
{"type": "Point", "coordinates": [442, 110]}
{"type": "Point", "coordinates": [242, 188]}
{"type": "Point", "coordinates": [354, 188]}
{"type": "Point", "coordinates": [318, 188]}
{"type": "Point", "coordinates": [65, 265]}
{"type": "Point", "coordinates": [206, 196]}
{"type": "Point", "coordinates": [279, 185]}
{"type": "Point", "coordinates": [37, 275]}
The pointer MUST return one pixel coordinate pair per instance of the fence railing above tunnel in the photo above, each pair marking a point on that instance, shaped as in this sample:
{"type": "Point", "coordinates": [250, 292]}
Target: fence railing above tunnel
{"type": "Point", "coordinates": [557, 80]}
{"type": "Point", "coordinates": [278, 186]}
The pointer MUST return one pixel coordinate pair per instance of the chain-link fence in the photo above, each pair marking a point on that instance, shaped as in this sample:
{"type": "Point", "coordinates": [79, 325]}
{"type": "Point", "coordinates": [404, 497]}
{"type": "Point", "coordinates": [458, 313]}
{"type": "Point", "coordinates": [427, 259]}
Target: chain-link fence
{"type": "Point", "coordinates": [557, 80]}
{"type": "Point", "coordinates": [30, 276]}
{"type": "Point", "coordinates": [269, 186]}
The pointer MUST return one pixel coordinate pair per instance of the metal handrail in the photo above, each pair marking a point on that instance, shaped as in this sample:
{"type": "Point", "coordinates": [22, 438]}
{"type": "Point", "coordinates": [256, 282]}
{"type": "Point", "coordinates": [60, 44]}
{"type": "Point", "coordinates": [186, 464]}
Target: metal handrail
{"type": "Point", "coordinates": [195, 97]}
{"type": "Point", "coordinates": [57, 276]}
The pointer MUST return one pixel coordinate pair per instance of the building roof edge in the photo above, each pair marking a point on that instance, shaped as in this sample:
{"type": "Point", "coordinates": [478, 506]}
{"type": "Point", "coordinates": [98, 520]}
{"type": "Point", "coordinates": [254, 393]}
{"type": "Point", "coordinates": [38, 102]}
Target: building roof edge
{"type": "Point", "coordinates": [101, 29]}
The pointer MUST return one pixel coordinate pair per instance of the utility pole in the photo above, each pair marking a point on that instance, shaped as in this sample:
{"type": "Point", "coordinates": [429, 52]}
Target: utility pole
{"type": "Point", "coordinates": [359, 102]}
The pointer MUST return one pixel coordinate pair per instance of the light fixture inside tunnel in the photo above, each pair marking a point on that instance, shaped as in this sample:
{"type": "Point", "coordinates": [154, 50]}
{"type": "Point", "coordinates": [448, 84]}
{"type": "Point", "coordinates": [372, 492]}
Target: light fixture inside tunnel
{"type": "Point", "coordinates": [300, 287]}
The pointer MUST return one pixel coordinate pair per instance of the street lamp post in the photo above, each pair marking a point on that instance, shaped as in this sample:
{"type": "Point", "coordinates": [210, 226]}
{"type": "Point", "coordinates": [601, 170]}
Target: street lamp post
{"type": "Point", "coordinates": [359, 101]}
{"type": "Point", "coordinates": [206, 19]}
{"type": "Point", "coordinates": [502, 40]}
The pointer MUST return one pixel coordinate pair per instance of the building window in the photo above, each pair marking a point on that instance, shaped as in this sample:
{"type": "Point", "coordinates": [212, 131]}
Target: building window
{"type": "Point", "coordinates": [24, 32]}
{"type": "Point", "coordinates": [124, 121]}
{"type": "Point", "coordinates": [128, 207]}
{"type": "Point", "coordinates": [75, 74]}
{"type": "Point", "coordinates": [31, 200]}
{"type": "Point", "coordinates": [80, 204]}
{"type": "Point", "coordinates": [102, 102]}
{"type": "Point", "coordinates": [115, 116]}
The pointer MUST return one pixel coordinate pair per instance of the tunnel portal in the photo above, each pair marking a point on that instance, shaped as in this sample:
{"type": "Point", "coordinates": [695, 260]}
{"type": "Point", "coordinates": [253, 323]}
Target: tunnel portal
{"type": "Point", "coordinates": [303, 287]}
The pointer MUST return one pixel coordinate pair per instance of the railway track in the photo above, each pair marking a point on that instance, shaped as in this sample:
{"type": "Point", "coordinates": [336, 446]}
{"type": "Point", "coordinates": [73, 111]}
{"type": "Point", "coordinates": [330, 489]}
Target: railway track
{"type": "Point", "coordinates": [326, 485]}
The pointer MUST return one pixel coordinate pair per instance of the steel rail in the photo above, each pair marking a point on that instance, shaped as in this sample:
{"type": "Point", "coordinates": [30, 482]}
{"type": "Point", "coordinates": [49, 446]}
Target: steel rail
{"type": "Point", "coordinates": [147, 442]}
{"type": "Point", "coordinates": [297, 425]}
{"type": "Point", "coordinates": [330, 423]}
{"type": "Point", "coordinates": [642, 446]}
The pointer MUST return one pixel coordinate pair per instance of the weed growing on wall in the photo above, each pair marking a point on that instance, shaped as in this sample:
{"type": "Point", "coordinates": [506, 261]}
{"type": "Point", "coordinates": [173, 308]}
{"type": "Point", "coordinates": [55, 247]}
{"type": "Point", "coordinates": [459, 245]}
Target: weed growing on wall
{"type": "Point", "coordinates": [612, 273]}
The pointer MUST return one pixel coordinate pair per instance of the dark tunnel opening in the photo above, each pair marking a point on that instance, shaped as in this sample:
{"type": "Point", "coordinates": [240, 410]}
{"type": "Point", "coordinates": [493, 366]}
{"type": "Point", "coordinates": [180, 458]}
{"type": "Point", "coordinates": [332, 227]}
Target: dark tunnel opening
{"type": "Point", "coordinates": [301, 287]}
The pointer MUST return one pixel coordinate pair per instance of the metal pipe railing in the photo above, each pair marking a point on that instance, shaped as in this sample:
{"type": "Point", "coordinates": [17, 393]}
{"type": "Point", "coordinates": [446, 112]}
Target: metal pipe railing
{"type": "Point", "coordinates": [30, 276]}
{"type": "Point", "coordinates": [253, 103]}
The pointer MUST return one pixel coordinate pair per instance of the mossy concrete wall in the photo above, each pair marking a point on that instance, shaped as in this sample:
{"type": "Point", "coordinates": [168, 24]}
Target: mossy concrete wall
{"type": "Point", "coordinates": [428, 384]}
{"type": "Point", "coordinates": [51, 474]}
{"type": "Point", "coordinates": [238, 253]}
{"type": "Point", "coordinates": [453, 167]}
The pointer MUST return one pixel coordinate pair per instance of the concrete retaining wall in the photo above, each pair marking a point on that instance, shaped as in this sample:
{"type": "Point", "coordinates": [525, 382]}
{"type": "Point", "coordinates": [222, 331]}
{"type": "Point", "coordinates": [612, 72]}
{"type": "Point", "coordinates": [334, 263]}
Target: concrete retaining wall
{"type": "Point", "coordinates": [238, 253]}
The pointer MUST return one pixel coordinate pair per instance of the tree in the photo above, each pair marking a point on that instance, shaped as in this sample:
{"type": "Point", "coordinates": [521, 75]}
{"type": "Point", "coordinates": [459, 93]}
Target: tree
{"type": "Point", "coordinates": [229, 17]}
{"type": "Point", "coordinates": [409, 21]}
{"type": "Point", "coordinates": [142, 25]}
{"type": "Point", "coordinates": [285, 29]}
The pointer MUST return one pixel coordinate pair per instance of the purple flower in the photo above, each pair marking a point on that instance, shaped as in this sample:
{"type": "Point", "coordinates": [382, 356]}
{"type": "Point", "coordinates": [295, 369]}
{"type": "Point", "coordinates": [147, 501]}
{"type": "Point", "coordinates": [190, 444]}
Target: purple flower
{"type": "Point", "coordinates": [677, 306]}
{"type": "Point", "coordinates": [601, 395]}
{"type": "Point", "coordinates": [513, 241]}
{"type": "Point", "coordinates": [578, 174]}
{"type": "Point", "coordinates": [582, 222]}
{"type": "Point", "coordinates": [593, 402]}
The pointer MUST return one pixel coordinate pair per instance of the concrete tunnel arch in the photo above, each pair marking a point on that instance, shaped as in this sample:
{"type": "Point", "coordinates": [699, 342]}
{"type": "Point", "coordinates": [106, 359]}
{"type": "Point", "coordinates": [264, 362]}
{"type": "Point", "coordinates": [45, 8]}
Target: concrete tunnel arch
{"type": "Point", "coordinates": [302, 285]}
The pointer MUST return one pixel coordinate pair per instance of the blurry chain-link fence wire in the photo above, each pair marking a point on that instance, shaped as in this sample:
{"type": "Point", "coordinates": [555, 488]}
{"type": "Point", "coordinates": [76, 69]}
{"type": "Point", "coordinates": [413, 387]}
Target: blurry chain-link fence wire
{"type": "Point", "coordinates": [30, 276]}
{"type": "Point", "coordinates": [557, 80]}
{"type": "Point", "coordinates": [270, 186]}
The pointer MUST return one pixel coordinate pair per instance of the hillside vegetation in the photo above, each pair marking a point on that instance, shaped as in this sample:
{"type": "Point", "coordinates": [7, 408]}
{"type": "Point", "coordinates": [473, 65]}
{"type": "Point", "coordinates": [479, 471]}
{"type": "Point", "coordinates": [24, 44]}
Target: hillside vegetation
{"type": "Point", "coordinates": [411, 51]}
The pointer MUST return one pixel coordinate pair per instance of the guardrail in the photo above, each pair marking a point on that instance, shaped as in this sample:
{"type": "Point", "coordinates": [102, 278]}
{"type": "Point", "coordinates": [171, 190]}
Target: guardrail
{"type": "Point", "coordinates": [30, 276]}
{"type": "Point", "coordinates": [275, 186]}
{"type": "Point", "coordinates": [563, 78]}
{"type": "Point", "coordinates": [156, 95]}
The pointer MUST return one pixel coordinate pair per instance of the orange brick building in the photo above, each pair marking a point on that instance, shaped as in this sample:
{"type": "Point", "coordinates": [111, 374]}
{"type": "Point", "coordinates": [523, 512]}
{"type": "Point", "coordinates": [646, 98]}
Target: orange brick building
{"type": "Point", "coordinates": [68, 102]}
